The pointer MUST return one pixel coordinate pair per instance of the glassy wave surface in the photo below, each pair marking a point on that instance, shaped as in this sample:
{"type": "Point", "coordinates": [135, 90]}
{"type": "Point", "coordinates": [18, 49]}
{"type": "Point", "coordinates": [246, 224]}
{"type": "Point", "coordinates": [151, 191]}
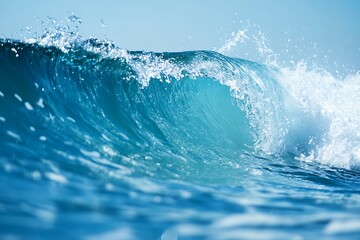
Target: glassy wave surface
{"type": "Point", "coordinates": [98, 142]}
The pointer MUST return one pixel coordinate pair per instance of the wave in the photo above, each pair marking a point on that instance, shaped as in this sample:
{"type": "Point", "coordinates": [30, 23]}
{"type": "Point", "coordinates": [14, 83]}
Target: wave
{"type": "Point", "coordinates": [191, 144]}
{"type": "Point", "coordinates": [90, 94]}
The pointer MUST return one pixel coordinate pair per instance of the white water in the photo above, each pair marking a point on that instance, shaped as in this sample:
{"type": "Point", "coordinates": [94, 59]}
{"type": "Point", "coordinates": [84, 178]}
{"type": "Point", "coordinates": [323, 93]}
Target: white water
{"type": "Point", "coordinates": [335, 102]}
{"type": "Point", "coordinates": [313, 108]}
{"type": "Point", "coordinates": [320, 108]}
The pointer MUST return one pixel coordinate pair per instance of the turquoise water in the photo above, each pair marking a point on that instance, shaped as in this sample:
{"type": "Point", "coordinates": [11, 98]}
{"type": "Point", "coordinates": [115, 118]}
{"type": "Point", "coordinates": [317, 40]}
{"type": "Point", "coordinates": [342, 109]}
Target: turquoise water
{"type": "Point", "coordinates": [97, 142]}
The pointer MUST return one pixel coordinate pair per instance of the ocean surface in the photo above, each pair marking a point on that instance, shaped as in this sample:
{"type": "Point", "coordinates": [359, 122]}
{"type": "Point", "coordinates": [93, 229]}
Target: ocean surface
{"type": "Point", "coordinates": [98, 142]}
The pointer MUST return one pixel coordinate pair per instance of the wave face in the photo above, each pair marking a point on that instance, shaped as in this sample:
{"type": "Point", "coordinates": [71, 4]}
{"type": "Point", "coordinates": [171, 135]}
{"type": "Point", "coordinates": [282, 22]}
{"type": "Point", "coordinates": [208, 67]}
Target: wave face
{"type": "Point", "coordinates": [101, 142]}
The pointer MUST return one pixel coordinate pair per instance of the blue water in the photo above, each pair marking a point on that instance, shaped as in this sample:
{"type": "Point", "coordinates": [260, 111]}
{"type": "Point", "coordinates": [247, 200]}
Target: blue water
{"type": "Point", "coordinates": [97, 142]}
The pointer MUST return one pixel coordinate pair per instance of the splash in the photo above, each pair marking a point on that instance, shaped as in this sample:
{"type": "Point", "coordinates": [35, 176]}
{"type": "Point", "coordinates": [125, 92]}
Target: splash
{"type": "Point", "coordinates": [289, 110]}
{"type": "Point", "coordinates": [165, 145]}
{"type": "Point", "coordinates": [334, 101]}
{"type": "Point", "coordinates": [321, 111]}
{"type": "Point", "coordinates": [249, 38]}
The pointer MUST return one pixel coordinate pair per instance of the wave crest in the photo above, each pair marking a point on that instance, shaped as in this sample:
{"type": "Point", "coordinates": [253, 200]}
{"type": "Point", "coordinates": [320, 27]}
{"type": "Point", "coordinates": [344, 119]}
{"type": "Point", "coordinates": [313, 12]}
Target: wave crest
{"type": "Point", "coordinates": [305, 113]}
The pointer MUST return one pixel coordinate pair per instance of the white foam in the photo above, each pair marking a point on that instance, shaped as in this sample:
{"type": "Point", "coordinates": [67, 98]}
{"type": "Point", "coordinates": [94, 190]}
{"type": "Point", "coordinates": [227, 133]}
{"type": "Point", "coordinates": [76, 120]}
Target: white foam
{"type": "Point", "coordinates": [335, 103]}
{"type": "Point", "coordinates": [328, 102]}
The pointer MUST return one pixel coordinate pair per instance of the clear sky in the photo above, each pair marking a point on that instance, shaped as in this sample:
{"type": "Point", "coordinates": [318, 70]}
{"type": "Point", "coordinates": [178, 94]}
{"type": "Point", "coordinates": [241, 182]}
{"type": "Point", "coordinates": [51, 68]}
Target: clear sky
{"type": "Point", "coordinates": [306, 28]}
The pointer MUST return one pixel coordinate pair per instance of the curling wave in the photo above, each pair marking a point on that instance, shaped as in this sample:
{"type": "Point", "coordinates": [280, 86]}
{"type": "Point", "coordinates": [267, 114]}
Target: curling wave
{"type": "Point", "coordinates": [187, 101]}
{"type": "Point", "coordinates": [138, 134]}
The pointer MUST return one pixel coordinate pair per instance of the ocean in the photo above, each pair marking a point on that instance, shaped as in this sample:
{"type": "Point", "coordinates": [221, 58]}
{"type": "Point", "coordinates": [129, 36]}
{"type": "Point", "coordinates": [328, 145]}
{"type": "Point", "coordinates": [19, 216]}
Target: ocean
{"type": "Point", "coordinates": [98, 142]}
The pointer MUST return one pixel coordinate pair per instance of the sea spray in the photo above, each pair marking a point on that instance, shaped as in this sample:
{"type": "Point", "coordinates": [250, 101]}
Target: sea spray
{"type": "Point", "coordinates": [100, 142]}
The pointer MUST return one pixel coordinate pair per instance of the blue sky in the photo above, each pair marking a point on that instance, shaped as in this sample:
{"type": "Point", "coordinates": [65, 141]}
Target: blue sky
{"type": "Point", "coordinates": [304, 28]}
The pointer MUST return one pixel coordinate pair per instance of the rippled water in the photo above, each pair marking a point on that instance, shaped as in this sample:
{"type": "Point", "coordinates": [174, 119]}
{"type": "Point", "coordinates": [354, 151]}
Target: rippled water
{"type": "Point", "coordinates": [98, 142]}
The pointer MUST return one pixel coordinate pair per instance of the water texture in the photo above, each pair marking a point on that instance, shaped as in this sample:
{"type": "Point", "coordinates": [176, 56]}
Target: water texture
{"type": "Point", "coordinates": [97, 142]}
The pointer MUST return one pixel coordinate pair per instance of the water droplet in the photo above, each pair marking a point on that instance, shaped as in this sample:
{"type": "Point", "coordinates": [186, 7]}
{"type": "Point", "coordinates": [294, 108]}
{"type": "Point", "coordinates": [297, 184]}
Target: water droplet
{"type": "Point", "coordinates": [13, 135]}
{"type": "Point", "coordinates": [40, 103]}
{"type": "Point", "coordinates": [18, 97]}
{"type": "Point", "coordinates": [56, 177]}
{"type": "Point", "coordinates": [103, 23]}
{"type": "Point", "coordinates": [75, 19]}
{"type": "Point", "coordinates": [42, 138]}
{"type": "Point", "coordinates": [28, 106]}
{"type": "Point", "coordinates": [36, 175]}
